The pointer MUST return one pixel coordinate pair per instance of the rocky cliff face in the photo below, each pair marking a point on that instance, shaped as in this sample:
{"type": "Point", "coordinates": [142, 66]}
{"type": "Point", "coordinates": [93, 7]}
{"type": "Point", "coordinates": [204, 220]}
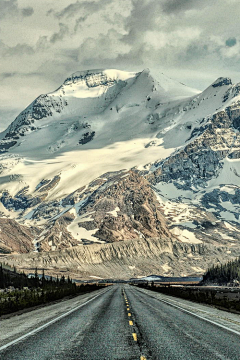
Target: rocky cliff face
{"type": "Point", "coordinates": [202, 158]}
{"type": "Point", "coordinates": [15, 238]}
{"type": "Point", "coordinates": [56, 236]}
{"type": "Point", "coordinates": [127, 208]}
{"type": "Point", "coordinates": [117, 206]}
{"type": "Point", "coordinates": [44, 106]}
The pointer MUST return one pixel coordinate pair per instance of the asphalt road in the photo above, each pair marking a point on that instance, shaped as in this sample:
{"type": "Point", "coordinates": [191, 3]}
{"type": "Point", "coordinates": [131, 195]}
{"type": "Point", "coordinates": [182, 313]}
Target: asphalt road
{"type": "Point", "coordinates": [126, 323]}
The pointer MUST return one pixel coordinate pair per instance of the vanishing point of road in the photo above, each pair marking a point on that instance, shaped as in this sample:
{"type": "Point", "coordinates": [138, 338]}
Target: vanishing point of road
{"type": "Point", "coordinates": [121, 322]}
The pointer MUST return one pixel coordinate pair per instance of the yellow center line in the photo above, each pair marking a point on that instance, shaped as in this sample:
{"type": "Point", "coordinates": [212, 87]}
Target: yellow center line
{"type": "Point", "coordinates": [130, 322]}
{"type": "Point", "coordinates": [129, 314]}
{"type": "Point", "coordinates": [128, 309]}
{"type": "Point", "coordinates": [143, 358]}
{"type": "Point", "coordinates": [134, 336]}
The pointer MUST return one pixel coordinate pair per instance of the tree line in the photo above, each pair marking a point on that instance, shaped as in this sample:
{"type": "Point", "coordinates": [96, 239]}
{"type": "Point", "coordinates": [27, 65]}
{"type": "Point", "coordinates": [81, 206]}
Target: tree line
{"type": "Point", "coordinates": [224, 273]}
{"type": "Point", "coordinates": [36, 290]}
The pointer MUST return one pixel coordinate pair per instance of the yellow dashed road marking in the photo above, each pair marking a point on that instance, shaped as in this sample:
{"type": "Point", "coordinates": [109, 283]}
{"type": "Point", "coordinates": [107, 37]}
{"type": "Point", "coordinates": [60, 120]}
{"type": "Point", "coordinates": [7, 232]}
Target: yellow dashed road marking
{"type": "Point", "coordinates": [134, 336]}
{"type": "Point", "coordinates": [131, 324]}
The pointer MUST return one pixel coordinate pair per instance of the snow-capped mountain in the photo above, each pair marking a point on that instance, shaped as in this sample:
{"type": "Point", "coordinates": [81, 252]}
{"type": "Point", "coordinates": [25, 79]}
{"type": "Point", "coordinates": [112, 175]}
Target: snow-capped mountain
{"type": "Point", "coordinates": [113, 155]}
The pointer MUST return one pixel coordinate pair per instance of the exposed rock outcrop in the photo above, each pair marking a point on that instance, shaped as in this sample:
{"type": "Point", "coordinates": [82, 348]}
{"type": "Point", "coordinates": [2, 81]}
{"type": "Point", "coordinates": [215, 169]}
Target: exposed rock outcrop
{"type": "Point", "coordinates": [201, 159]}
{"type": "Point", "coordinates": [125, 209]}
{"type": "Point", "coordinates": [16, 238]}
{"type": "Point", "coordinates": [56, 236]}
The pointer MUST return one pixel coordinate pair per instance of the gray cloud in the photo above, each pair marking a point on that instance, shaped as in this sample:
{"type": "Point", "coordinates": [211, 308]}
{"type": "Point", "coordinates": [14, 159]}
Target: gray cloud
{"type": "Point", "coordinates": [42, 43]}
{"type": "Point", "coordinates": [194, 41]}
{"type": "Point", "coordinates": [12, 51]}
{"type": "Point", "coordinates": [88, 6]}
{"type": "Point", "coordinates": [105, 48]}
{"type": "Point", "coordinates": [79, 22]}
{"type": "Point", "coordinates": [8, 7]}
{"type": "Point", "coordinates": [3, 48]}
{"type": "Point", "coordinates": [69, 10]}
{"type": "Point", "coordinates": [142, 18]}
{"type": "Point", "coordinates": [50, 12]}
{"type": "Point", "coordinates": [19, 49]}
{"type": "Point", "coordinates": [177, 6]}
{"type": "Point", "coordinates": [231, 41]}
{"type": "Point", "coordinates": [63, 31]}
{"type": "Point", "coordinates": [28, 11]}
{"type": "Point", "coordinates": [7, 116]}
{"type": "Point", "coordinates": [6, 75]}
{"type": "Point", "coordinates": [158, 38]}
{"type": "Point", "coordinates": [85, 8]}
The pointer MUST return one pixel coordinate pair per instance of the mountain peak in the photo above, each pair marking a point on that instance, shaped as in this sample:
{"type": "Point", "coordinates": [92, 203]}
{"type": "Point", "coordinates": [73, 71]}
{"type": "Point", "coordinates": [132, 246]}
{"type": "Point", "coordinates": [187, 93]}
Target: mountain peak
{"type": "Point", "coordinates": [97, 77]}
{"type": "Point", "coordinates": [221, 81]}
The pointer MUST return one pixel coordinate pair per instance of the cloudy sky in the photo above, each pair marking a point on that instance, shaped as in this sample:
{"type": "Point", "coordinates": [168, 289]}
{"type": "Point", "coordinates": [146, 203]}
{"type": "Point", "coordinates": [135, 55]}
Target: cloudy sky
{"type": "Point", "coordinates": [42, 42]}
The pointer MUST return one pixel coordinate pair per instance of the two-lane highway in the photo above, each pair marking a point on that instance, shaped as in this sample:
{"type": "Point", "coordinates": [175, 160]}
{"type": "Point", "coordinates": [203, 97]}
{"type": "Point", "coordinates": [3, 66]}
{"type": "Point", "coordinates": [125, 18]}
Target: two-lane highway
{"type": "Point", "coordinates": [124, 322]}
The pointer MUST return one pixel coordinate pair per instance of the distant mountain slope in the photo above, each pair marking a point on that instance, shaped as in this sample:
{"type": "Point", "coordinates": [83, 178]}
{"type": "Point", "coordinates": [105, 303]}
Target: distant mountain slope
{"type": "Point", "coordinates": [112, 156]}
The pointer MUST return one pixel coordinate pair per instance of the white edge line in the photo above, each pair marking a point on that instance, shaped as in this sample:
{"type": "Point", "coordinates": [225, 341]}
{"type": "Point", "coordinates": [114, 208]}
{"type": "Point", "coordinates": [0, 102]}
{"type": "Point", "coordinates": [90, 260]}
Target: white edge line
{"type": "Point", "coordinates": [46, 325]}
{"type": "Point", "coordinates": [201, 317]}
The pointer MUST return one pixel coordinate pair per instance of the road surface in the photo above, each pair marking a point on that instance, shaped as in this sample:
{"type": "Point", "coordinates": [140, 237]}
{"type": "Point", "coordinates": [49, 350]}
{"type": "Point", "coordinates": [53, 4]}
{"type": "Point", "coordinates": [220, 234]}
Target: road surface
{"type": "Point", "coordinates": [123, 322]}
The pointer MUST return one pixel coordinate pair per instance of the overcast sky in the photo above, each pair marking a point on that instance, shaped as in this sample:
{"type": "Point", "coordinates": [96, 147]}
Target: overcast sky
{"type": "Point", "coordinates": [43, 41]}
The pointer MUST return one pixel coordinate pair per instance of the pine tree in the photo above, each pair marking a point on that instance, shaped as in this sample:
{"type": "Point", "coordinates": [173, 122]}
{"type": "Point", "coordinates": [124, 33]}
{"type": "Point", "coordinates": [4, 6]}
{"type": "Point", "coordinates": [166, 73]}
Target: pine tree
{"type": "Point", "coordinates": [43, 279]}
{"type": "Point", "coordinates": [1, 277]}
